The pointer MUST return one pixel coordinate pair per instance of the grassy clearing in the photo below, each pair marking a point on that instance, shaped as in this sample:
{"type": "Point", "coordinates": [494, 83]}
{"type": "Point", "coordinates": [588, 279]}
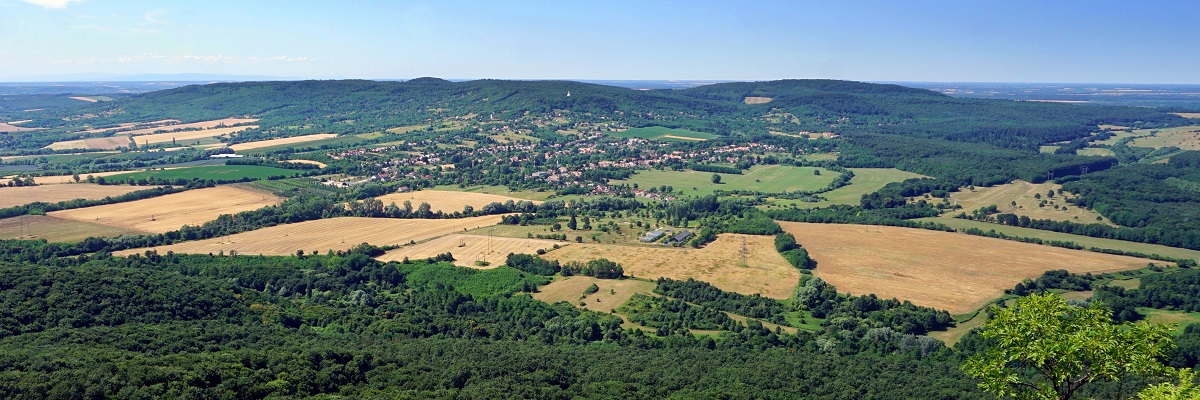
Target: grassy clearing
{"type": "Point", "coordinates": [663, 133]}
{"type": "Point", "coordinates": [327, 234]}
{"type": "Point", "coordinates": [170, 212]}
{"type": "Point", "coordinates": [16, 196]}
{"type": "Point", "coordinates": [470, 250]}
{"type": "Point", "coordinates": [1028, 198]}
{"type": "Point", "coordinates": [446, 201]}
{"type": "Point", "coordinates": [949, 271]}
{"type": "Point", "coordinates": [1113, 244]}
{"type": "Point", "coordinates": [1181, 319]}
{"type": "Point", "coordinates": [762, 178]}
{"type": "Point", "coordinates": [1095, 152]}
{"type": "Point", "coordinates": [215, 172]}
{"type": "Point", "coordinates": [866, 180]}
{"type": "Point", "coordinates": [612, 294]}
{"type": "Point", "coordinates": [1183, 137]}
{"type": "Point", "coordinates": [33, 227]}
{"type": "Point", "coordinates": [746, 264]}
{"type": "Point", "coordinates": [953, 335]}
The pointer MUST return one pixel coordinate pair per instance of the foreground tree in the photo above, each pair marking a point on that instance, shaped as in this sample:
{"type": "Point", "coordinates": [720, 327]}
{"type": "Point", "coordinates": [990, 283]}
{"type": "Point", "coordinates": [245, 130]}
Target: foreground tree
{"type": "Point", "coordinates": [1048, 349]}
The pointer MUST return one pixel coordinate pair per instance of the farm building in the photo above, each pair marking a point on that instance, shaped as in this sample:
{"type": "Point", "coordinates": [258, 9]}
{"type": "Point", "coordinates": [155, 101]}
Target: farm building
{"type": "Point", "coordinates": [680, 237]}
{"type": "Point", "coordinates": [652, 236]}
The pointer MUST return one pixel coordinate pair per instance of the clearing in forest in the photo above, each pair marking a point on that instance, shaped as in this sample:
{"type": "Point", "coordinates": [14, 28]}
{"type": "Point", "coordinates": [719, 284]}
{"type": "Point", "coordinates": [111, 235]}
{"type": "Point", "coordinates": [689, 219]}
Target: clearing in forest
{"type": "Point", "coordinates": [663, 133]}
{"type": "Point", "coordinates": [746, 264]}
{"type": "Point", "coordinates": [322, 235]}
{"type": "Point", "coordinates": [955, 272]}
{"type": "Point", "coordinates": [1188, 115]}
{"type": "Point", "coordinates": [761, 178]}
{"type": "Point", "coordinates": [612, 294]}
{"type": "Point", "coordinates": [170, 212]}
{"type": "Point", "coordinates": [757, 100]}
{"type": "Point", "coordinates": [1183, 137]}
{"type": "Point", "coordinates": [469, 250]}
{"type": "Point", "coordinates": [17, 196]}
{"type": "Point", "coordinates": [446, 201]}
{"type": "Point", "coordinates": [34, 227]}
{"type": "Point", "coordinates": [1028, 198]}
{"type": "Point", "coordinates": [281, 141]}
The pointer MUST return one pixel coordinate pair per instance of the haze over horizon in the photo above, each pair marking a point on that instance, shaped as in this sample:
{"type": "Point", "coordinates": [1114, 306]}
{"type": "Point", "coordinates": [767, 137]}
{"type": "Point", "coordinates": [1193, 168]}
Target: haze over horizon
{"type": "Point", "coordinates": [929, 41]}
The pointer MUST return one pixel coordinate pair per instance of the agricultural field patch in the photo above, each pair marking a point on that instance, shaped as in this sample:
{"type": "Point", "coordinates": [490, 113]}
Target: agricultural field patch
{"type": "Point", "coordinates": [866, 180]}
{"type": "Point", "coordinates": [12, 127]}
{"type": "Point", "coordinates": [64, 179]}
{"type": "Point", "coordinates": [1095, 152]}
{"type": "Point", "coordinates": [762, 178]}
{"type": "Point", "coordinates": [663, 133]}
{"type": "Point", "coordinates": [1183, 137]}
{"type": "Point", "coordinates": [281, 141]}
{"type": "Point", "coordinates": [177, 137]}
{"type": "Point", "coordinates": [309, 162]}
{"type": "Point", "coordinates": [17, 196]}
{"type": "Point", "coordinates": [499, 190]}
{"type": "Point", "coordinates": [1188, 115]}
{"type": "Point", "coordinates": [1086, 241]}
{"type": "Point", "coordinates": [327, 234]}
{"type": "Point", "coordinates": [746, 264]}
{"type": "Point", "coordinates": [470, 250]}
{"type": "Point", "coordinates": [172, 211]}
{"type": "Point", "coordinates": [202, 125]}
{"type": "Point", "coordinates": [35, 227]}
{"type": "Point", "coordinates": [955, 272]}
{"type": "Point", "coordinates": [215, 172]}
{"type": "Point", "coordinates": [612, 294]}
{"type": "Point", "coordinates": [1028, 197]}
{"type": "Point", "coordinates": [757, 100]}
{"type": "Point", "coordinates": [447, 201]}
{"type": "Point", "coordinates": [1181, 319]}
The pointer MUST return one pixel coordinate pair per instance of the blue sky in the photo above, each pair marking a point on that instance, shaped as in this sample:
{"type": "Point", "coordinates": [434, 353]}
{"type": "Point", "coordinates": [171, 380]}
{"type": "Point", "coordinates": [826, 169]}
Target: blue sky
{"type": "Point", "coordinates": [963, 41]}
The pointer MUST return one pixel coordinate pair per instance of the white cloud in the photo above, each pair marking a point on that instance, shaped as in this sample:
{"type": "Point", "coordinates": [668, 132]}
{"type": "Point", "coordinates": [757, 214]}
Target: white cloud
{"type": "Point", "coordinates": [56, 4]}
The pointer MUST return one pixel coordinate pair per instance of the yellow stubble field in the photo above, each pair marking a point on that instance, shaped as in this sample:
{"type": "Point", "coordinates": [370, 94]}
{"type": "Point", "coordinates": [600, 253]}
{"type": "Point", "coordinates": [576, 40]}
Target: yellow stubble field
{"type": "Point", "coordinates": [445, 200]}
{"type": "Point", "coordinates": [468, 249]}
{"type": "Point", "coordinates": [955, 272]}
{"type": "Point", "coordinates": [16, 196]}
{"type": "Point", "coordinates": [172, 211]}
{"type": "Point", "coordinates": [321, 235]}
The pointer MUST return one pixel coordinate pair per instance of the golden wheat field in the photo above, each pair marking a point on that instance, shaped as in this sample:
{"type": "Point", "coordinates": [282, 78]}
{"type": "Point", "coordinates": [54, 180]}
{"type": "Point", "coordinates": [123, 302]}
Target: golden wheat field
{"type": "Point", "coordinates": [205, 125]}
{"type": "Point", "coordinates": [16, 196]}
{"type": "Point", "coordinates": [33, 227]}
{"type": "Point", "coordinates": [746, 264]}
{"type": "Point", "coordinates": [955, 272]}
{"type": "Point", "coordinates": [170, 212]}
{"type": "Point", "coordinates": [310, 162]}
{"type": "Point", "coordinates": [327, 234]}
{"type": "Point", "coordinates": [446, 201]}
{"type": "Point", "coordinates": [173, 137]}
{"type": "Point", "coordinates": [469, 249]}
{"type": "Point", "coordinates": [281, 141]}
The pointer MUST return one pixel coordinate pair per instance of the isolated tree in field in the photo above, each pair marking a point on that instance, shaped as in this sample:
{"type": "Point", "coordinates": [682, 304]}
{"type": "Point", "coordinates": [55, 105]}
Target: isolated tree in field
{"type": "Point", "coordinates": [1048, 349]}
{"type": "Point", "coordinates": [716, 178]}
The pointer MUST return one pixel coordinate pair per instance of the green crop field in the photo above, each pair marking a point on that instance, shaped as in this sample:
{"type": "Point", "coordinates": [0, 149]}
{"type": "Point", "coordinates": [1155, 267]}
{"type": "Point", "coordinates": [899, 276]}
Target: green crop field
{"type": "Point", "coordinates": [762, 178]}
{"type": "Point", "coordinates": [866, 180]}
{"type": "Point", "coordinates": [1086, 241]}
{"type": "Point", "coordinates": [215, 172]}
{"type": "Point", "coordinates": [662, 133]}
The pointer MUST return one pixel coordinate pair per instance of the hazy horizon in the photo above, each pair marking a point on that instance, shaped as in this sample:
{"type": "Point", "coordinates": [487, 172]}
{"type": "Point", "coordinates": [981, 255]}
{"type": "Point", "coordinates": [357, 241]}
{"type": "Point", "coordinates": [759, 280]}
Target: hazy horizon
{"type": "Point", "coordinates": [1011, 42]}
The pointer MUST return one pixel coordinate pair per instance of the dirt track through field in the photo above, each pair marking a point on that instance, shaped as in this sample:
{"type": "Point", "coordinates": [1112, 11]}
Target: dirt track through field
{"type": "Point", "coordinates": [170, 212]}
{"type": "Point", "coordinates": [327, 234]}
{"type": "Point", "coordinates": [951, 271]}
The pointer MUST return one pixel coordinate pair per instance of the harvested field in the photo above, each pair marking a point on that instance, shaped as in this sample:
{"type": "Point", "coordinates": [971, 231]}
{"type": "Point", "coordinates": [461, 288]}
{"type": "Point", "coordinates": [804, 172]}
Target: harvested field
{"type": "Point", "coordinates": [189, 135]}
{"type": "Point", "coordinates": [720, 263]}
{"type": "Point", "coordinates": [11, 127]}
{"type": "Point", "coordinates": [613, 293]}
{"type": "Point", "coordinates": [1025, 195]}
{"type": "Point", "coordinates": [170, 212]}
{"type": "Point", "coordinates": [694, 139]}
{"type": "Point", "coordinates": [33, 227]}
{"type": "Point", "coordinates": [310, 162]}
{"type": "Point", "coordinates": [757, 100]}
{"type": "Point", "coordinates": [87, 99]}
{"type": "Point", "coordinates": [1183, 137]}
{"type": "Point", "coordinates": [64, 179]}
{"type": "Point", "coordinates": [16, 196]}
{"type": "Point", "coordinates": [70, 145]}
{"type": "Point", "coordinates": [327, 234]}
{"type": "Point", "coordinates": [1088, 241]}
{"type": "Point", "coordinates": [955, 272]}
{"type": "Point", "coordinates": [467, 249]}
{"type": "Point", "coordinates": [281, 141]}
{"type": "Point", "coordinates": [446, 201]}
{"type": "Point", "coordinates": [205, 125]}
{"type": "Point", "coordinates": [107, 143]}
{"type": "Point", "coordinates": [1188, 115]}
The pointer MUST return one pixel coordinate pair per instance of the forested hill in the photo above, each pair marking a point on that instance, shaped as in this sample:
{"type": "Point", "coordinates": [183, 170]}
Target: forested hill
{"type": "Point", "coordinates": [848, 108]}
